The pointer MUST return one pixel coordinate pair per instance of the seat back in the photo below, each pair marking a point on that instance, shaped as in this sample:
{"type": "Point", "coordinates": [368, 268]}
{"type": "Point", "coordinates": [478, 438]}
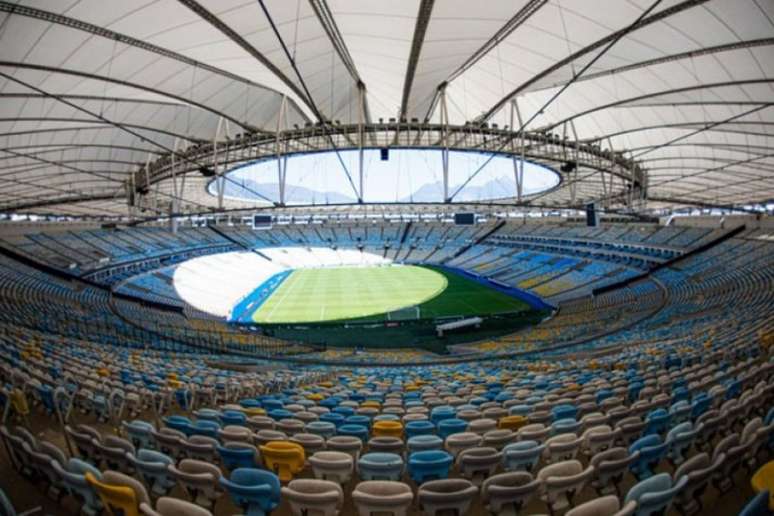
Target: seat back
{"type": "Point", "coordinates": [115, 497]}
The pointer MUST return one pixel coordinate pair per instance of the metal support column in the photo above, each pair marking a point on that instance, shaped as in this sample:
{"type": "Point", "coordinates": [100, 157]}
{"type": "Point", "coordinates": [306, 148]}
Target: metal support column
{"type": "Point", "coordinates": [445, 144]}
{"type": "Point", "coordinates": [518, 165]}
{"type": "Point", "coordinates": [360, 139]}
{"type": "Point", "coordinates": [282, 160]}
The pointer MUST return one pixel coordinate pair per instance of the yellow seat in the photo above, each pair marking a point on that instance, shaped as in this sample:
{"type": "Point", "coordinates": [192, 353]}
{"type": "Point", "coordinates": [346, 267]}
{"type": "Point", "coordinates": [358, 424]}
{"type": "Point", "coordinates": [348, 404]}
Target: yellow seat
{"type": "Point", "coordinates": [512, 422]}
{"type": "Point", "coordinates": [19, 402]}
{"type": "Point", "coordinates": [763, 480]}
{"type": "Point", "coordinates": [370, 404]}
{"type": "Point", "coordinates": [120, 494]}
{"type": "Point", "coordinates": [254, 411]}
{"type": "Point", "coordinates": [315, 396]}
{"type": "Point", "coordinates": [285, 458]}
{"type": "Point", "coordinates": [388, 429]}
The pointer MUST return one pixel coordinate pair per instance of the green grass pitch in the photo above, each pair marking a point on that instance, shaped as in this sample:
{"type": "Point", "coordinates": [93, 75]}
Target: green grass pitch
{"type": "Point", "coordinates": [346, 293]}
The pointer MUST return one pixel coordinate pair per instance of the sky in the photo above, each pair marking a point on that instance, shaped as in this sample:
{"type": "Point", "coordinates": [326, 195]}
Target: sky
{"type": "Point", "coordinates": [408, 175]}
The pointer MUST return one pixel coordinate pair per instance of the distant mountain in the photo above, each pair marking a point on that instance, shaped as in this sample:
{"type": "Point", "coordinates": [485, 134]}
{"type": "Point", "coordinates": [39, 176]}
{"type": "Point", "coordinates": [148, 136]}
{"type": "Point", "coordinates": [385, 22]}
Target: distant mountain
{"type": "Point", "coordinates": [433, 192]}
{"type": "Point", "coordinates": [429, 192]}
{"type": "Point", "coordinates": [293, 194]}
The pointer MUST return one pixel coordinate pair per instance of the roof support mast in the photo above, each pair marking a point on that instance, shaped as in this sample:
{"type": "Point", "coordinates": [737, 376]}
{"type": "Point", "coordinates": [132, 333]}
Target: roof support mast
{"type": "Point", "coordinates": [282, 160]}
{"type": "Point", "coordinates": [518, 165]}
{"type": "Point", "coordinates": [361, 116]}
{"type": "Point", "coordinates": [445, 144]}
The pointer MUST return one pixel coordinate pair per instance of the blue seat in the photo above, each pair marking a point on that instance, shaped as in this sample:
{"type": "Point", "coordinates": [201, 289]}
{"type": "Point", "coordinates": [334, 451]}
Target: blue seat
{"type": "Point", "coordinates": [358, 419]}
{"type": "Point", "coordinates": [656, 422]}
{"type": "Point", "coordinates": [359, 431]}
{"type": "Point", "coordinates": [424, 442]}
{"type": "Point", "coordinates": [204, 427]}
{"type": "Point", "coordinates": [279, 413]}
{"type": "Point", "coordinates": [519, 410]}
{"type": "Point", "coordinates": [602, 395]}
{"type": "Point", "coordinates": [233, 417]}
{"type": "Point", "coordinates": [429, 465]}
{"type": "Point", "coordinates": [522, 455]}
{"type": "Point", "coordinates": [344, 411]}
{"type": "Point", "coordinates": [451, 426]}
{"type": "Point", "coordinates": [438, 414]}
{"type": "Point", "coordinates": [73, 475]}
{"type": "Point", "coordinates": [324, 429]}
{"type": "Point", "coordinates": [332, 417]}
{"type": "Point", "coordinates": [652, 451]}
{"type": "Point", "coordinates": [733, 389]}
{"type": "Point", "coordinates": [179, 423]}
{"type": "Point", "coordinates": [152, 467]}
{"type": "Point", "coordinates": [330, 403]}
{"type": "Point", "coordinates": [271, 404]}
{"type": "Point", "coordinates": [680, 394]}
{"type": "Point", "coordinates": [655, 494]}
{"type": "Point", "coordinates": [679, 412]}
{"type": "Point", "coordinates": [565, 426]}
{"type": "Point", "coordinates": [679, 440]}
{"type": "Point", "coordinates": [700, 405]}
{"type": "Point", "coordinates": [250, 403]}
{"type": "Point", "coordinates": [46, 395]}
{"type": "Point", "coordinates": [564, 412]}
{"type": "Point", "coordinates": [256, 491]}
{"type": "Point", "coordinates": [413, 428]}
{"type": "Point", "coordinates": [140, 433]}
{"type": "Point", "coordinates": [758, 506]}
{"type": "Point", "coordinates": [380, 466]}
{"type": "Point", "coordinates": [634, 391]}
{"type": "Point", "coordinates": [237, 455]}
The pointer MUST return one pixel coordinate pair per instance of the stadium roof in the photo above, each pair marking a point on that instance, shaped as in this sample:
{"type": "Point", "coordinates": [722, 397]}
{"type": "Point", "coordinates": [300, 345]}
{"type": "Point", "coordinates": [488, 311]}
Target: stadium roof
{"type": "Point", "coordinates": [93, 90]}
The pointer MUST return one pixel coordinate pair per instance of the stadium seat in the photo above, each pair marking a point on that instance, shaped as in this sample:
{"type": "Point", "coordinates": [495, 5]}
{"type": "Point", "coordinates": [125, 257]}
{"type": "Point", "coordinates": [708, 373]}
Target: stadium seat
{"type": "Point", "coordinates": [457, 442]}
{"type": "Point", "coordinates": [166, 506]}
{"type": "Point", "coordinates": [429, 465]}
{"type": "Point", "coordinates": [336, 466]}
{"type": "Point", "coordinates": [605, 506]}
{"type": "Point", "coordinates": [655, 494]}
{"type": "Point", "coordinates": [235, 455]}
{"type": "Point", "coordinates": [73, 475]}
{"type": "Point", "coordinates": [119, 492]}
{"type": "Point", "coordinates": [382, 497]}
{"type": "Point", "coordinates": [508, 493]}
{"type": "Point", "coordinates": [522, 456]}
{"type": "Point", "coordinates": [652, 450]}
{"type": "Point", "coordinates": [307, 496]}
{"type": "Point", "coordinates": [561, 482]}
{"type": "Point", "coordinates": [444, 496]}
{"type": "Point", "coordinates": [763, 480]}
{"type": "Point", "coordinates": [477, 464]}
{"type": "Point", "coordinates": [284, 458]}
{"type": "Point", "coordinates": [380, 466]}
{"type": "Point", "coordinates": [256, 491]}
{"type": "Point", "coordinates": [385, 428]}
{"type": "Point", "coordinates": [200, 481]}
{"type": "Point", "coordinates": [152, 466]}
{"type": "Point", "coordinates": [424, 442]}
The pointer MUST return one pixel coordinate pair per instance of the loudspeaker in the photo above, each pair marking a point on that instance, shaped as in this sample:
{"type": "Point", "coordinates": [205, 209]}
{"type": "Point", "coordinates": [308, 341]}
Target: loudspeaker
{"type": "Point", "coordinates": [568, 167]}
{"type": "Point", "coordinates": [384, 154]}
{"type": "Point", "coordinates": [592, 217]}
{"type": "Point", "coordinates": [206, 171]}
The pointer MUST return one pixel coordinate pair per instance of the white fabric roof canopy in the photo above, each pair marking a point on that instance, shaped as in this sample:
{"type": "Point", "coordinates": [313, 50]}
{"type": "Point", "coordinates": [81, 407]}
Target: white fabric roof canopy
{"type": "Point", "coordinates": [92, 89]}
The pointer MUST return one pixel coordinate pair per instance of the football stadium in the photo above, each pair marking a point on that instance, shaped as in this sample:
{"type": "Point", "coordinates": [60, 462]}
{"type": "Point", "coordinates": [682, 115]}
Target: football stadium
{"type": "Point", "coordinates": [407, 258]}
